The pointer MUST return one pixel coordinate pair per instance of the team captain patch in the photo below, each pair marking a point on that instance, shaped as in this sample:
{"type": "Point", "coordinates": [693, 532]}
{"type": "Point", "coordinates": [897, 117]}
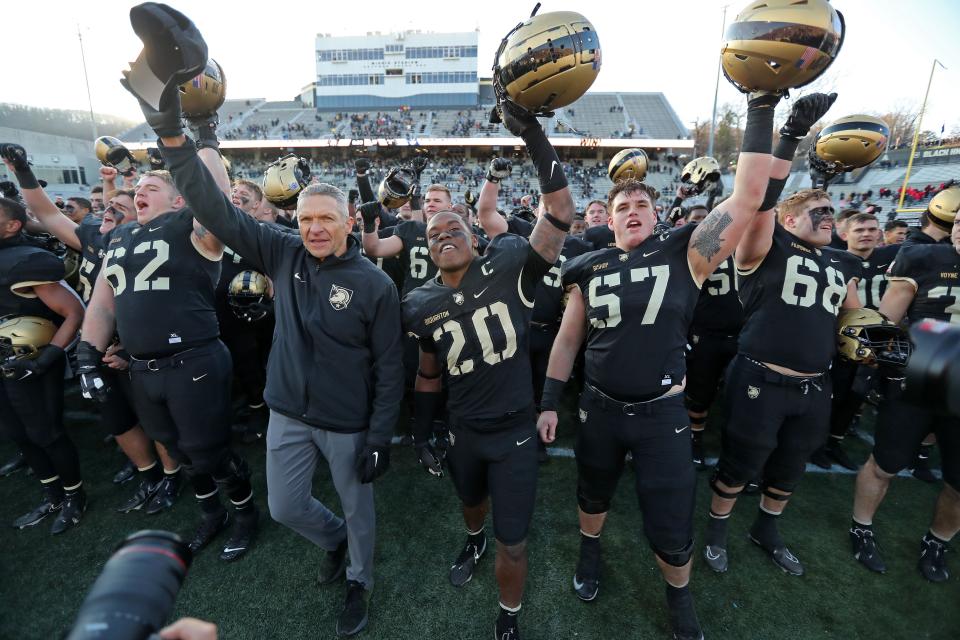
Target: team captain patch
{"type": "Point", "coordinates": [340, 297]}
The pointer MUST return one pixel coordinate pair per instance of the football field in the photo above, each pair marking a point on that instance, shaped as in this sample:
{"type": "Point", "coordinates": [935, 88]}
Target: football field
{"type": "Point", "coordinates": [271, 593]}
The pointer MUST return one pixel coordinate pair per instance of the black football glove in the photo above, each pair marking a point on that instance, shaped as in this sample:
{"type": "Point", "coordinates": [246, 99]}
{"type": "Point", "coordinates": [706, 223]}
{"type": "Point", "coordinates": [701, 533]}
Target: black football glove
{"type": "Point", "coordinates": [370, 212]}
{"type": "Point", "coordinates": [166, 122]}
{"type": "Point", "coordinates": [515, 118]}
{"type": "Point", "coordinates": [804, 113]}
{"type": "Point", "coordinates": [372, 462]}
{"type": "Point", "coordinates": [430, 459]}
{"type": "Point", "coordinates": [89, 365]}
{"type": "Point", "coordinates": [15, 155]}
{"type": "Point", "coordinates": [499, 169]}
{"type": "Point", "coordinates": [362, 165]}
{"type": "Point", "coordinates": [21, 369]}
{"type": "Point", "coordinates": [204, 130]}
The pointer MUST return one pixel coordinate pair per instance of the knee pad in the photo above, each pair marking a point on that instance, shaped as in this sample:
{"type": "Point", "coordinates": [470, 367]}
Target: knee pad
{"type": "Point", "coordinates": [590, 505]}
{"type": "Point", "coordinates": [677, 558]}
{"type": "Point", "coordinates": [779, 497]}
{"type": "Point", "coordinates": [722, 475]}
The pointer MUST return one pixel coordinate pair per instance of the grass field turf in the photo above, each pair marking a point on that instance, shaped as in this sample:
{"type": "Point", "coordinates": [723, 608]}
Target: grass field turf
{"type": "Point", "coordinates": [271, 593]}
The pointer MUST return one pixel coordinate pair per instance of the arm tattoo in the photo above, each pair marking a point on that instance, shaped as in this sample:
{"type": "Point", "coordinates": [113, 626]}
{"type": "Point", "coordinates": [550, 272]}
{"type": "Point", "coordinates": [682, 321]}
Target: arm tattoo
{"type": "Point", "coordinates": [201, 232]}
{"type": "Point", "coordinates": [707, 239]}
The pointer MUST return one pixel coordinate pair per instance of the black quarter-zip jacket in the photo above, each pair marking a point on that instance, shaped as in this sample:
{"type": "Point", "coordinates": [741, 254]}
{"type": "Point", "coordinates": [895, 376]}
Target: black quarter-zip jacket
{"type": "Point", "coordinates": [336, 360]}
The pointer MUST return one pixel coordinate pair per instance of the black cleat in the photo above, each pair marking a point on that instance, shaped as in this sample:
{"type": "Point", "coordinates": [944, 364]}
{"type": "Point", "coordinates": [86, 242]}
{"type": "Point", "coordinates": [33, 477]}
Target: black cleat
{"type": "Point", "coordinates": [683, 620]}
{"type": "Point", "coordinates": [125, 474]}
{"type": "Point", "coordinates": [506, 627]}
{"type": "Point", "coordinates": [462, 570]}
{"type": "Point", "coordinates": [13, 465]}
{"type": "Point", "coordinates": [865, 549]}
{"type": "Point", "coordinates": [333, 565]}
{"type": "Point", "coordinates": [210, 526]}
{"type": "Point", "coordinates": [74, 504]}
{"type": "Point", "coordinates": [933, 560]}
{"type": "Point", "coordinates": [142, 496]}
{"type": "Point", "coordinates": [781, 557]}
{"type": "Point", "coordinates": [586, 580]}
{"type": "Point", "coordinates": [165, 495]}
{"type": "Point", "coordinates": [51, 502]}
{"type": "Point", "coordinates": [245, 528]}
{"type": "Point", "coordinates": [353, 617]}
{"type": "Point", "coordinates": [716, 558]}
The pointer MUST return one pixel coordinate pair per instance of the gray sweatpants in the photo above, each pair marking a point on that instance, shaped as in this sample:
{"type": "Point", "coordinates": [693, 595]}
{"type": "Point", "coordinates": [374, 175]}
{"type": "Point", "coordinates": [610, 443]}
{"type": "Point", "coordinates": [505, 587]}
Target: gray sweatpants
{"type": "Point", "coordinates": [293, 449]}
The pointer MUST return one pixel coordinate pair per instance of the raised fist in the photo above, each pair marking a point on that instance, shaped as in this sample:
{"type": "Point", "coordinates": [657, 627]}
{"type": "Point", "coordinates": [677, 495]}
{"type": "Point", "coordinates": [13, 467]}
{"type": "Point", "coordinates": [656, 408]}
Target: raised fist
{"type": "Point", "coordinates": [804, 114]}
{"type": "Point", "coordinates": [499, 169]}
{"type": "Point", "coordinates": [108, 174]}
{"type": "Point", "coordinates": [362, 166]}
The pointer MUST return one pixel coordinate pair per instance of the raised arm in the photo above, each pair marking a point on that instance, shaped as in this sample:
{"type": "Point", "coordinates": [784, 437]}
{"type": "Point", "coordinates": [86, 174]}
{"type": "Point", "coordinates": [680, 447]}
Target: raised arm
{"type": "Point", "coordinates": [373, 245]}
{"type": "Point", "coordinates": [36, 199]}
{"type": "Point", "coordinates": [552, 227]}
{"type": "Point", "coordinates": [492, 223]}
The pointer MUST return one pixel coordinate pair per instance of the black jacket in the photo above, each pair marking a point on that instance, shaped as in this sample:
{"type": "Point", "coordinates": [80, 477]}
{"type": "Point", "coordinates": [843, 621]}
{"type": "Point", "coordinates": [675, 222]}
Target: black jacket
{"type": "Point", "coordinates": [915, 236]}
{"type": "Point", "coordinates": [336, 361]}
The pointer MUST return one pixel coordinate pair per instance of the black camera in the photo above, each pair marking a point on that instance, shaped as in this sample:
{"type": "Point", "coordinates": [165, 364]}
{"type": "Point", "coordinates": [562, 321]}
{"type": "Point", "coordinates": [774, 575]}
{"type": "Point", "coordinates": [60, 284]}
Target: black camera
{"type": "Point", "coordinates": [933, 373]}
{"type": "Point", "coordinates": [136, 591]}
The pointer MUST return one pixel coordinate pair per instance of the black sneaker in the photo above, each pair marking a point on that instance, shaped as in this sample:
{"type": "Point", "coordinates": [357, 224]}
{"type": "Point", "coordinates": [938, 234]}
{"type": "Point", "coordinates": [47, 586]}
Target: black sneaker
{"type": "Point", "coordinates": [74, 504]}
{"type": "Point", "coordinates": [462, 570]}
{"type": "Point", "coordinates": [142, 496]}
{"type": "Point", "coordinates": [210, 526]}
{"type": "Point", "coordinates": [933, 560]}
{"type": "Point", "coordinates": [165, 495]}
{"type": "Point", "coordinates": [586, 580]}
{"type": "Point", "coordinates": [866, 550]}
{"type": "Point", "coordinates": [245, 528]}
{"type": "Point", "coordinates": [333, 565]}
{"type": "Point", "coordinates": [125, 474]}
{"type": "Point", "coordinates": [13, 465]}
{"type": "Point", "coordinates": [353, 618]}
{"type": "Point", "coordinates": [506, 627]}
{"type": "Point", "coordinates": [50, 502]}
{"type": "Point", "coordinates": [716, 558]}
{"type": "Point", "coordinates": [683, 620]}
{"type": "Point", "coordinates": [836, 453]}
{"type": "Point", "coordinates": [781, 557]}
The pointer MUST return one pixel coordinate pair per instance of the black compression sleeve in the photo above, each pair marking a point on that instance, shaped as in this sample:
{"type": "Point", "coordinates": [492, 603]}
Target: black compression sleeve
{"type": "Point", "coordinates": [363, 186]}
{"type": "Point", "coordinates": [426, 407]}
{"type": "Point", "coordinates": [26, 179]}
{"type": "Point", "coordinates": [758, 134]}
{"type": "Point", "coordinates": [545, 158]}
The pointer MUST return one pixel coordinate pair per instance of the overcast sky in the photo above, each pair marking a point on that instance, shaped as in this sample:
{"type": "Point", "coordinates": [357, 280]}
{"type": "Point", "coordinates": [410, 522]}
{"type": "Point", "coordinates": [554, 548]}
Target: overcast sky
{"type": "Point", "coordinates": [267, 48]}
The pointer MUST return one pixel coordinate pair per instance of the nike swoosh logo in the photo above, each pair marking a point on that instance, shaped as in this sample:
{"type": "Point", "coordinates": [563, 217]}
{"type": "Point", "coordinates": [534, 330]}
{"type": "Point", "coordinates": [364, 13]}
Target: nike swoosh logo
{"type": "Point", "coordinates": [153, 229]}
{"type": "Point", "coordinates": [553, 165]}
{"type": "Point", "coordinates": [296, 276]}
{"type": "Point", "coordinates": [376, 456]}
{"type": "Point", "coordinates": [520, 443]}
{"type": "Point", "coordinates": [834, 261]}
{"type": "Point", "coordinates": [881, 266]}
{"type": "Point", "coordinates": [477, 295]}
{"type": "Point", "coordinates": [711, 555]}
{"type": "Point", "coordinates": [232, 549]}
{"type": "Point", "coordinates": [200, 377]}
{"type": "Point", "coordinates": [577, 584]}
{"type": "Point", "coordinates": [680, 430]}
{"type": "Point", "coordinates": [647, 255]}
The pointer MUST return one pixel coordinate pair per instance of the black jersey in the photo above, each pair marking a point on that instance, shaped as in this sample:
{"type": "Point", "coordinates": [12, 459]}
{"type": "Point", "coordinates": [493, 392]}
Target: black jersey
{"type": "Point", "coordinates": [873, 275]}
{"type": "Point", "coordinates": [91, 255]}
{"type": "Point", "coordinates": [480, 331]}
{"type": "Point", "coordinates": [548, 304]}
{"type": "Point", "coordinates": [718, 308]}
{"type": "Point", "coordinates": [935, 272]}
{"type": "Point", "coordinates": [163, 288]}
{"type": "Point", "coordinates": [639, 307]}
{"type": "Point", "coordinates": [415, 260]}
{"type": "Point", "coordinates": [23, 266]}
{"type": "Point", "coordinates": [600, 237]}
{"type": "Point", "coordinates": [790, 304]}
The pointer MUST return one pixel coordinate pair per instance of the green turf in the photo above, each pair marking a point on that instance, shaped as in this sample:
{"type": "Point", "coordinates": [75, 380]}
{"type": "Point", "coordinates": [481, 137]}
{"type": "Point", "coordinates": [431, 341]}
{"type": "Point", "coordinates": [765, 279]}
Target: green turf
{"type": "Point", "coordinates": [272, 594]}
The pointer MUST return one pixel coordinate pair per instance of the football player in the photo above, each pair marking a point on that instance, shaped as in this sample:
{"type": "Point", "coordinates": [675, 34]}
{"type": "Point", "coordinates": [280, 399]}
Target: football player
{"type": "Point", "coordinates": [159, 485]}
{"type": "Point", "coordinates": [31, 386]}
{"type": "Point", "coordinates": [895, 232]}
{"type": "Point", "coordinates": [924, 282]}
{"type": "Point", "coordinates": [473, 324]}
{"type": "Point", "coordinates": [595, 214]}
{"type": "Point", "coordinates": [634, 303]}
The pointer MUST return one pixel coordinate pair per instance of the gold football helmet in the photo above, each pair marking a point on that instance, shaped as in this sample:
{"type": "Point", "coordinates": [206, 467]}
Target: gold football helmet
{"type": "Point", "coordinates": [852, 142]}
{"type": "Point", "coordinates": [628, 163]}
{"type": "Point", "coordinates": [248, 295]}
{"type": "Point", "coordinates": [22, 336]}
{"type": "Point", "coordinates": [944, 206]}
{"type": "Point", "coordinates": [285, 179]}
{"type": "Point", "coordinates": [773, 45]}
{"type": "Point", "coordinates": [701, 173]}
{"type": "Point", "coordinates": [204, 94]}
{"type": "Point", "coordinates": [397, 187]}
{"type": "Point", "coordinates": [547, 61]}
{"type": "Point", "coordinates": [111, 152]}
{"type": "Point", "coordinates": [866, 336]}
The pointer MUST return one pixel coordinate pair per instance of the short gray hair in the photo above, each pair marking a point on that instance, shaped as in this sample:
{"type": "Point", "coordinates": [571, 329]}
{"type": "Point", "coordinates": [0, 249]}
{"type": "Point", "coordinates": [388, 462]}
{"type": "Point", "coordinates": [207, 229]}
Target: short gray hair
{"type": "Point", "coordinates": [324, 189]}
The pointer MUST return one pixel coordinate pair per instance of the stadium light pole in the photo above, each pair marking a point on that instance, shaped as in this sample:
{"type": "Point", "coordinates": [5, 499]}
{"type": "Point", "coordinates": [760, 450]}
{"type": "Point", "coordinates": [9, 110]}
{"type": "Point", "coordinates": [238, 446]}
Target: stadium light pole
{"type": "Point", "coordinates": [916, 135]}
{"type": "Point", "coordinates": [86, 80]}
{"type": "Point", "coordinates": [716, 87]}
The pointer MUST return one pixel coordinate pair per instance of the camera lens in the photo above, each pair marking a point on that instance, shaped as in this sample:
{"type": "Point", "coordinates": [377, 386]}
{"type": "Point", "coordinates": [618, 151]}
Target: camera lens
{"type": "Point", "coordinates": [933, 373]}
{"type": "Point", "coordinates": [135, 593]}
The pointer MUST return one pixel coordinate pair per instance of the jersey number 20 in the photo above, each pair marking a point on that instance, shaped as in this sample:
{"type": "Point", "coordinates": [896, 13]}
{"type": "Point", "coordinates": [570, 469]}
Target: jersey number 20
{"type": "Point", "coordinates": [499, 311]}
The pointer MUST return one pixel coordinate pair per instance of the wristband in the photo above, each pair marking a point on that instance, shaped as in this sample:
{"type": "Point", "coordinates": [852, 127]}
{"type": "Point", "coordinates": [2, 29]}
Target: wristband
{"type": "Point", "coordinates": [786, 148]}
{"type": "Point", "coordinates": [552, 390]}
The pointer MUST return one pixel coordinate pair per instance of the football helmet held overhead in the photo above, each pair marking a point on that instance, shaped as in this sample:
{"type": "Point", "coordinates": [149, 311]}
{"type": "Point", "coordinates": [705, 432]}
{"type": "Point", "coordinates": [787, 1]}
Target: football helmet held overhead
{"type": "Point", "coordinates": [944, 206]}
{"type": "Point", "coordinates": [397, 187]}
{"type": "Point", "coordinates": [285, 179]}
{"type": "Point", "coordinates": [775, 45]}
{"type": "Point", "coordinates": [248, 295]}
{"type": "Point", "coordinates": [701, 173]}
{"type": "Point", "coordinates": [628, 163]}
{"type": "Point", "coordinates": [111, 152]}
{"type": "Point", "coordinates": [547, 61]}
{"type": "Point", "coordinates": [852, 142]}
{"type": "Point", "coordinates": [205, 93]}
{"type": "Point", "coordinates": [866, 336]}
{"type": "Point", "coordinates": [21, 337]}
